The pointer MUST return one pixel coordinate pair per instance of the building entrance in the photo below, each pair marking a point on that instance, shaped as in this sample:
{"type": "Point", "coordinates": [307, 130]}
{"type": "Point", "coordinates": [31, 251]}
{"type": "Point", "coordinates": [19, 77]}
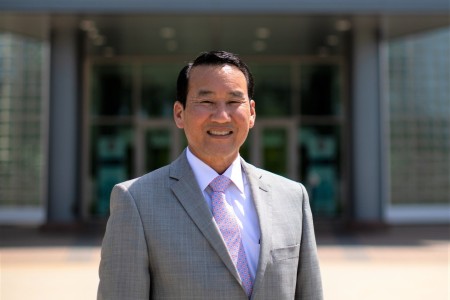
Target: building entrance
{"type": "Point", "coordinates": [300, 94]}
{"type": "Point", "coordinates": [298, 133]}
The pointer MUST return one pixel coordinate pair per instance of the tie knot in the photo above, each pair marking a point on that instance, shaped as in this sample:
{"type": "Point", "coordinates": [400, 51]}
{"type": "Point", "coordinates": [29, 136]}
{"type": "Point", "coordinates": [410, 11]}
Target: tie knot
{"type": "Point", "coordinates": [220, 183]}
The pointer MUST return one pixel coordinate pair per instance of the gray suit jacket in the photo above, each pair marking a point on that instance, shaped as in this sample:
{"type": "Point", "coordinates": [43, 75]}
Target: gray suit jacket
{"type": "Point", "coordinates": [161, 241]}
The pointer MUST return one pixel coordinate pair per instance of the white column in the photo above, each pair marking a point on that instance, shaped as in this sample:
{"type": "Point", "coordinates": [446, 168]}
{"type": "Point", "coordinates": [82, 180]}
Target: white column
{"type": "Point", "coordinates": [366, 114]}
{"type": "Point", "coordinates": [63, 138]}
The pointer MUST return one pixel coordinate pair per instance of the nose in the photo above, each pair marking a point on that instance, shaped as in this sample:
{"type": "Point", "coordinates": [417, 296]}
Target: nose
{"type": "Point", "coordinates": [220, 113]}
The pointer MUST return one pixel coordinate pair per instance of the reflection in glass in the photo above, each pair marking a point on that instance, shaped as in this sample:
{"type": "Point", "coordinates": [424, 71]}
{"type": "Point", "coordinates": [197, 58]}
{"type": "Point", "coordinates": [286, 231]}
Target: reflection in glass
{"type": "Point", "coordinates": [320, 167]}
{"type": "Point", "coordinates": [320, 90]}
{"type": "Point", "coordinates": [158, 89]}
{"type": "Point", "coordinates": [272, 89]}
{"type": "Point", "coordinates": [275, 150]}
{"type": "Point", "coordinates": [157, 149]}
{"type": "Point", "coordinates": [111, 161]}
{"type": "Point", "coordinates": [111, 90]}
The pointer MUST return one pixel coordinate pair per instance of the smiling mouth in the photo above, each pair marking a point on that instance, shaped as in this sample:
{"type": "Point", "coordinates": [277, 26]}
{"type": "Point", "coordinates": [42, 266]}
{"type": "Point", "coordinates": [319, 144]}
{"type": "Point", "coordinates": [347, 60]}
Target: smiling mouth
{"type": "Point", "coordinates": [220, 132]}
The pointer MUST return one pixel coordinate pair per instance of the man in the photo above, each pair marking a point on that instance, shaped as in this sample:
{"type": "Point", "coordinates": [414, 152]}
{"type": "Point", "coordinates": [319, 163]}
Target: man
{"type": "Point", "coordinates": [184, 232]}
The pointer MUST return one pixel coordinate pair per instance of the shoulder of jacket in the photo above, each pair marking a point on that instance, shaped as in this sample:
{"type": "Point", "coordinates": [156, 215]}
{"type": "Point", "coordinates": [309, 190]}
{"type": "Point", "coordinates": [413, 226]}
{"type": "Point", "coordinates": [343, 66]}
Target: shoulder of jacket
{"type": "Point", "coordinates": [153, 177]}
{"type": "Point", "coordinates": [270, 177]}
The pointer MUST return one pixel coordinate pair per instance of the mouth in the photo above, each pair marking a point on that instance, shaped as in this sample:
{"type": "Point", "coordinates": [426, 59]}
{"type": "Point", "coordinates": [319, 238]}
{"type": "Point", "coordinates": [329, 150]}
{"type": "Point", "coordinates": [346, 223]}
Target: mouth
{"type": "Point", "coordinates": [219, 132]}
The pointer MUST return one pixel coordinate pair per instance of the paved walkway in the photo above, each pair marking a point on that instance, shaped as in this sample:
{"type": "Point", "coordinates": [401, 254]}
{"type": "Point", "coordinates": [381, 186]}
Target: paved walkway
{"type": "Point", "coordinates": [396, 263]}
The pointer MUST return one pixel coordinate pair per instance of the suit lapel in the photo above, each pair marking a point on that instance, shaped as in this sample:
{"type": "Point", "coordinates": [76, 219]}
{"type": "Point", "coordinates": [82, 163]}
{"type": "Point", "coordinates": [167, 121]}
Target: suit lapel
{"type": "Point", "coordinates": [262, 195]}
{"type": "Point", "coordinates": [186, 190]}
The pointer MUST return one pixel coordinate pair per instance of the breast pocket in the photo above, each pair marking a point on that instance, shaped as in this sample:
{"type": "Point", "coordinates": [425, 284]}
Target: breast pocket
{"type": "Point", "coordinates": [281, 273]}
{"type": "Point", "coordinates": [286, 253]}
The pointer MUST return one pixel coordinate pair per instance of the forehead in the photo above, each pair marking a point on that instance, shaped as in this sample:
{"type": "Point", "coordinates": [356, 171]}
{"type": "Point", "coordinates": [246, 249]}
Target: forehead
{"type": "Point", "coordinates": [216, 74]}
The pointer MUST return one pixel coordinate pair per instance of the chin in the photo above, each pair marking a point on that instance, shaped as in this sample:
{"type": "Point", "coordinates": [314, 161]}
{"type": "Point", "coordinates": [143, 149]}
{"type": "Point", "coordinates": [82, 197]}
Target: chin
{"type": "Point", "coordinates": [221, 152]}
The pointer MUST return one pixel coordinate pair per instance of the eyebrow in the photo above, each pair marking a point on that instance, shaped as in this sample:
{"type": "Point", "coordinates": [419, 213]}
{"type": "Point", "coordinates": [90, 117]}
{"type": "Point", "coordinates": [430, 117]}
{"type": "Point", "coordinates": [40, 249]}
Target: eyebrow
{"type": "Point", "coordinates": [204, 93]}
{"type": "Point", "coordinates": [237, 94]}
{"type": "Point", "coordinates": [208, 93]}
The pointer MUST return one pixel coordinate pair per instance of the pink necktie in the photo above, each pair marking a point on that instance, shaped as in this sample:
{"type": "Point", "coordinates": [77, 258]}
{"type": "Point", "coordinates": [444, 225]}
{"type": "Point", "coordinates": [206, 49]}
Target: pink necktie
{"type": "Point", "coordinates": [226, 220]}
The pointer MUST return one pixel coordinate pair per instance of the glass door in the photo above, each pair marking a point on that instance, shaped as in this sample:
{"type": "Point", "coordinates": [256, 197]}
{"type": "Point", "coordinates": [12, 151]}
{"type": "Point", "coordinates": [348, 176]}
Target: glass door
{"type": "Point", "coordinates": [320, 136]}
{"type": "Point", "coordinates": [129, 124]}
{"type": "Point", "coordinates": [159, 143]}
{"type": "Point", "coordinates": [157, 148]}
{"type": "Point", "coordinates": [272, 142]}
{"type": "Point", "coordinates": [298, 132]}
{"type": "Point", "coordinates": [320, 167]}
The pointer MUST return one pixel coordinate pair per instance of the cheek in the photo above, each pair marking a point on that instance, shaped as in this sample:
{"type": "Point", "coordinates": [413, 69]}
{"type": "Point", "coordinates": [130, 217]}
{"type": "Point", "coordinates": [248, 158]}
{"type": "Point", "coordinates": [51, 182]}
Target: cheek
{"type": "Point", "coordinates": [193, 124]}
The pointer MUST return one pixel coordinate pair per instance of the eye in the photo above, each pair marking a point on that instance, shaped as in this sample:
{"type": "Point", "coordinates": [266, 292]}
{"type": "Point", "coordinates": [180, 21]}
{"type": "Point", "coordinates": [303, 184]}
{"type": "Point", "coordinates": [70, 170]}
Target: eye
{"type": "Point", "coordinates": [206, 102]}
{"type": "Point", "coordinates": [235, 102]}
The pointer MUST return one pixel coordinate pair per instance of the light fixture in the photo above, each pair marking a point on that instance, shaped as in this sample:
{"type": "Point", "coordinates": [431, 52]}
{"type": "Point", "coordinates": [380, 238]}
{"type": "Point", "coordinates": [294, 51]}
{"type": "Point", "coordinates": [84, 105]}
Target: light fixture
{"type": "Point", "coordinates": [99, 40]}
{"type": "Point", "coordinates": [92, 32]}
{"type": "Point", "coordinates": [262, 32]}
{"type": "Point", "coordinates": [343, 25]}
{"type": "Point", "coordinates": [167, 32]}
{"type": "Point", "coordinates": [87, 25]}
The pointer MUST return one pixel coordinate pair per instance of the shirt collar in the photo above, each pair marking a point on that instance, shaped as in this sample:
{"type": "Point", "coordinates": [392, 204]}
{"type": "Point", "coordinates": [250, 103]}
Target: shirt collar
{"type": "Point", "coordinates": [205, 174]}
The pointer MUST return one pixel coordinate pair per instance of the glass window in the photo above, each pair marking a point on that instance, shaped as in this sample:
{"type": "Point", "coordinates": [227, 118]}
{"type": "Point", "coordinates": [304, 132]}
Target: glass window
{"type": "Point", "coordinates": [272, 89]}
{"type": "Point", "coordinates": [320, 90]}
{"type": "Point", "coordinates": [419, 104]}
{"type": "Point", "coordinates": [111, 163]}
{"type": "Point", "coordinates": [159, 89]}
{"type": "Point", "coordinates": [245, 149]}
{"type": "Point", "coordinates": [22, 120]}
{"type": "Point", "coordinates": [275, 150]}
{"type": "Point", "coordinates": [111, 90]}
{"type": "Point", "coordinates": [319, 152]}
{"type": "Point", "coordinates": [158, 147]}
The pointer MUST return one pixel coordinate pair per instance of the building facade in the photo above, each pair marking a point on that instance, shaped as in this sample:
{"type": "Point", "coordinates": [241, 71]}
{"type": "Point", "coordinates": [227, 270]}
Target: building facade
{"type": "Point", "coordinates": [352, 99]}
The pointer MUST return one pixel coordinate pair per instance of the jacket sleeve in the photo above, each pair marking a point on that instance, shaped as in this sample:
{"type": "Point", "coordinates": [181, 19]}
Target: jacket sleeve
{"type": "Point", "coordinates": [124, 265]}
{"type": "Point", "coordinates": [309, 283]}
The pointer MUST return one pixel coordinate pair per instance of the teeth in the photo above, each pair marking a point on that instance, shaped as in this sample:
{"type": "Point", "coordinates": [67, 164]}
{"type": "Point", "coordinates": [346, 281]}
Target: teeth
{"type": "Point", "coordinates": [213, 132]}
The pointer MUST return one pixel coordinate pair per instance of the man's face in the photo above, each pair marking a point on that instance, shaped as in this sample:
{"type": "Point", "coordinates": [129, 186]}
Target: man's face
{"type": "Point", "coordinates": [218, 114]}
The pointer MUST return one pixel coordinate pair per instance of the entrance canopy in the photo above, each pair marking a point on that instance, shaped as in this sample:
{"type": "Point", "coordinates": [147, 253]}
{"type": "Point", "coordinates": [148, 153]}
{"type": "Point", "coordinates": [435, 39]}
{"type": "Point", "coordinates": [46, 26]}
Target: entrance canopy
{"type": "Point", "coordinates": [187, 35]}
{"type": "Point", "coordinates": [230, 6]}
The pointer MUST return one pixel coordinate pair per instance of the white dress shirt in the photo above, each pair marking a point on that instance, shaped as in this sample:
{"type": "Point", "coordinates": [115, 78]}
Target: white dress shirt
{"type": "Point", "coordinates": [238, 196]}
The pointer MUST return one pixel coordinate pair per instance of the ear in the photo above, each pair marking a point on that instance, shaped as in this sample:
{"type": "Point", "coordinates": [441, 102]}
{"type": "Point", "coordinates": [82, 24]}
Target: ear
{"type": "Point", "coordinates": [252, 114]}
{"type": "Point", "coordinates": [178, 114]}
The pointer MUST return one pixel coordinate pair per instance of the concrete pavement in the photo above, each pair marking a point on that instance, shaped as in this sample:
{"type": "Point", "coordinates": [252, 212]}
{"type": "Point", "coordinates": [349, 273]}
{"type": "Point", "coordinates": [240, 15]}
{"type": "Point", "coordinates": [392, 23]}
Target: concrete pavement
{"type": "Point", "coordinates": [395, 263]}
{"type": "Point", "coordinates": [410, 263]}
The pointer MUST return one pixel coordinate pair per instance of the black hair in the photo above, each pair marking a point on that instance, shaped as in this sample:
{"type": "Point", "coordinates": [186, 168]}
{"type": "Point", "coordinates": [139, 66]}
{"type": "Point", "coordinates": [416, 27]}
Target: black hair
{"type": "Point", "coordinates": [212, 58]}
